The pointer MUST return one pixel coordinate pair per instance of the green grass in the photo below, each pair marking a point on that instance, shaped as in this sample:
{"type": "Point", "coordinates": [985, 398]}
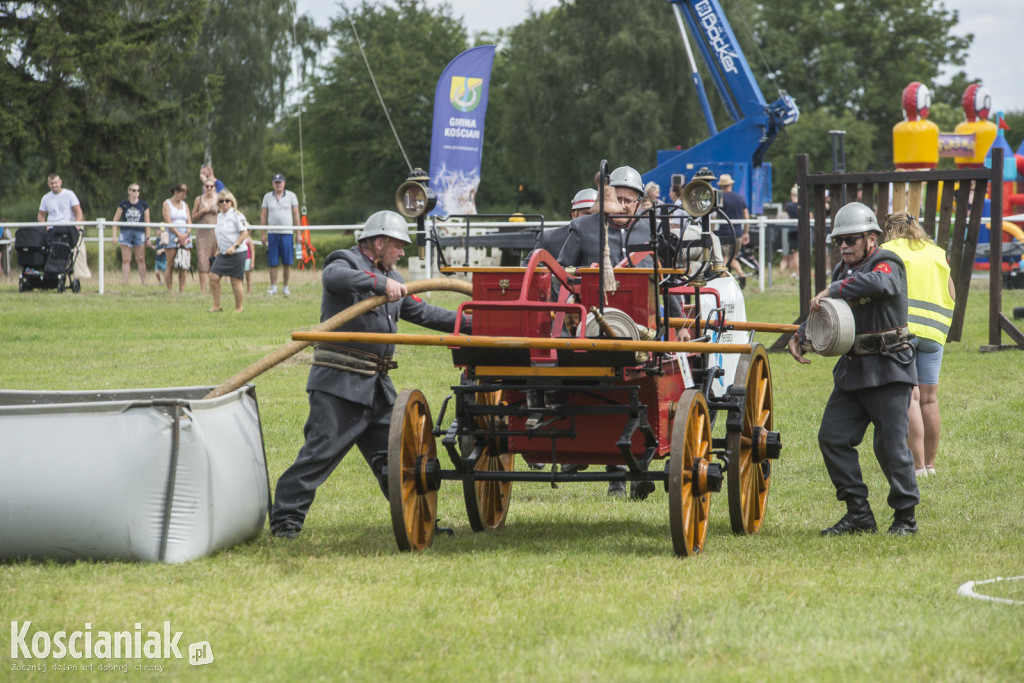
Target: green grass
{"type": "Point", "coordinates": [577, 586]}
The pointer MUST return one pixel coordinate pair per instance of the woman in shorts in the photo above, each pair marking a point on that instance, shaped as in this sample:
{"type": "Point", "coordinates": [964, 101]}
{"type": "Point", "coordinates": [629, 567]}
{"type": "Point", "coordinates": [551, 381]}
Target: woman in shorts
{"type": "Point", "coordinates": [232, 231]}
{"type": "Point", "coordinates": [133, 239]}
{"type": "Point", "coordinates": [931, 298]}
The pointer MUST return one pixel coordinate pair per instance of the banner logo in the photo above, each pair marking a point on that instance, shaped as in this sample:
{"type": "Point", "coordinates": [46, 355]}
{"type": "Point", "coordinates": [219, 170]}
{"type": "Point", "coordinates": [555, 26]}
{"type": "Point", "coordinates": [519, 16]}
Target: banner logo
{"type": "Point", "coordinates": [466, 93]}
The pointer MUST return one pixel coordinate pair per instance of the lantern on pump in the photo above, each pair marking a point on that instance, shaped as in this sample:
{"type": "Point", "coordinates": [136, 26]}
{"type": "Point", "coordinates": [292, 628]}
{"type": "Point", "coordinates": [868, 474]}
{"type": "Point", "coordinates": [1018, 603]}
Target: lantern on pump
{"type": "Point", "coordinates": [415, 199]}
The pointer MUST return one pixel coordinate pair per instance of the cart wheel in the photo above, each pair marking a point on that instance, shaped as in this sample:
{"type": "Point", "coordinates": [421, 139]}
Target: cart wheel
{"type": "Point", "coordinates": [413, 472]}
{"type": "Point", "coordinates": [22, 286]}
{"type": "Point", "coordinates": [749, 468]}
{"type": "Point", "coordinates": [487, 501]}
{"type": "Point", "coordinates": [692, 477]}
{"type": "Point", "coordinates": [60, 287]}
{"type": "Point", "coordinates": [76, 286]}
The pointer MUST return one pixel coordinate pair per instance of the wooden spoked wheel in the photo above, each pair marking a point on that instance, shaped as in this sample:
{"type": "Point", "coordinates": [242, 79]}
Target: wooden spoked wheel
{"type": "Point", "coordinates": [689, 498]}
{"type": "Point", "coordinates": [749, 471]}
{"type": "Point", "coordinates": [412, 472]}
{"type": "Point", "coordinates": [487, 501]}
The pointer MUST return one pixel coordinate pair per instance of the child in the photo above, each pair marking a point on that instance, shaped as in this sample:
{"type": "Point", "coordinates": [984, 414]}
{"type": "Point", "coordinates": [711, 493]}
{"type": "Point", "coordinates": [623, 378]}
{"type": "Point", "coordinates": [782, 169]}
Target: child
{"type": "Point", "coordinates": [160, 262]}
{"type": "Point", "coordinates": [250, 255]}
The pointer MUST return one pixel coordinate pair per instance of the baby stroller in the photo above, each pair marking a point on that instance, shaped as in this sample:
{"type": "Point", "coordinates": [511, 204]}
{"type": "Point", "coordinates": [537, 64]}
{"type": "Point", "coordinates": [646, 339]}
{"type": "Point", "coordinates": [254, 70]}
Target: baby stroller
{"type": "Point", "coordinates": [47, 258]}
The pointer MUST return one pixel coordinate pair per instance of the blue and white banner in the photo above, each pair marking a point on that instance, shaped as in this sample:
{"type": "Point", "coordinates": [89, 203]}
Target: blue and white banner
{"type": "Point", "coordinates": [457, 143]}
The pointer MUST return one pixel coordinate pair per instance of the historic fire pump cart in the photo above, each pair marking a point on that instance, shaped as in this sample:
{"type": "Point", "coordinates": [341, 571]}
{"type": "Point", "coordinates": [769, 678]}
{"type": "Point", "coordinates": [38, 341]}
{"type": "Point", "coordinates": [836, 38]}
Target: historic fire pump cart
{"type": "Point", "coordinates": [569, 371]}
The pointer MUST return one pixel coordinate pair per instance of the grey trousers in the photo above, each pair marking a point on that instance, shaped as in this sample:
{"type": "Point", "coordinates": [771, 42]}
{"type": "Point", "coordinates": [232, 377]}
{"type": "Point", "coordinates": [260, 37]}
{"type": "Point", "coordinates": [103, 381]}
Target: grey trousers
{"type": "Point", "coordinates": [334, 425]}
{"type": "Point", "coordinates": [843, 425]}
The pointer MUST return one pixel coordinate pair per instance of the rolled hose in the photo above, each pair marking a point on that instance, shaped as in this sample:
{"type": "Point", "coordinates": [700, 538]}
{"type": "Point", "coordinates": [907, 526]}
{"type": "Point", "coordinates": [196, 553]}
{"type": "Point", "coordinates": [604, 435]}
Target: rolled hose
{"type": "Point", "coordinates": [831, 328]}
{"type": "Point", "coordinates": [439, 284]}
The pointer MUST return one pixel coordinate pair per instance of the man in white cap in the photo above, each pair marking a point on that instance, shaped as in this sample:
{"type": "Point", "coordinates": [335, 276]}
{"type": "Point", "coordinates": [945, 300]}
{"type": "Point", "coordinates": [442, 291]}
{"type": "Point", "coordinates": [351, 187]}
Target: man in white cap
{"type": "Point", "coordinates": [350, 392]}
{"type": "Point", "coordinates": [280, 208]}
{"type": "Point", "coordinates": [553, 239]}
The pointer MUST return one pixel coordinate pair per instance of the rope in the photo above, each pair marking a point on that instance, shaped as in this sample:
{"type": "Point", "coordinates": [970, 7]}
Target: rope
{"type": "Point", "coordinates": [337, 320]}
{"type": "Point", "coordinates": [380, 97]}
{"type": "Point", "coordinates": [831, 328]}
{"type": "Point", "coordinates": [302, 166]}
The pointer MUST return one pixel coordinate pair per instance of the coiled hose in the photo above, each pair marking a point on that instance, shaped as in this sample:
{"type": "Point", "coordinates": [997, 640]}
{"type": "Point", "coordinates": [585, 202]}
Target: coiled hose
{"type": "Point", "coordinates": [439, 284]}
{"type": "Point", "coordinates": [831, 328]}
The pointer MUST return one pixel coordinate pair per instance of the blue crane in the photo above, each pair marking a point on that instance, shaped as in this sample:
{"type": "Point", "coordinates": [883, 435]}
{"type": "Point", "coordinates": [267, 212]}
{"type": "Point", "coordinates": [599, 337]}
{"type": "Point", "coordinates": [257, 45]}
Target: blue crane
{"type": "Point", "coordinates": [739, 148]}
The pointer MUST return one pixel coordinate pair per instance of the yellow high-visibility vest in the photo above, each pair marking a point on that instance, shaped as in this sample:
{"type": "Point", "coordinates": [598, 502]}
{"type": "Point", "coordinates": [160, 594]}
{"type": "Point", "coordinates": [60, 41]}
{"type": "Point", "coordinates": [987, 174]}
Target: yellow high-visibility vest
{"type": "Point", "coordinates": [930, 308]}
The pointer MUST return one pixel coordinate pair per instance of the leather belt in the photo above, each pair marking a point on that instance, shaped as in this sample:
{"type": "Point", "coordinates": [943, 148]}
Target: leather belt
{"type": "Point", "coordinates": [881, 342]}
{"type": "Point", "coordinates": [352, 360]}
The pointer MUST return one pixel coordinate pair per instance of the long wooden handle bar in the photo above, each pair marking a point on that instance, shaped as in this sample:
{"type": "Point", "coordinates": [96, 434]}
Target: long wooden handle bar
{"type": "Point", "coordinates": [350, 313]}
{"type": "Point", "coordinates": [781, 328]}
{"type": "Point", "coordinates": [471, 341]}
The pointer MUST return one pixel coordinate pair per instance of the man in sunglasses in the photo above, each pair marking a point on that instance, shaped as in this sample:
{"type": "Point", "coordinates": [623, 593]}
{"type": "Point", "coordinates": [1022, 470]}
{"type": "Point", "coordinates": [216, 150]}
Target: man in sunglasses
{"type": "Point", "coordinates": [873, 381]}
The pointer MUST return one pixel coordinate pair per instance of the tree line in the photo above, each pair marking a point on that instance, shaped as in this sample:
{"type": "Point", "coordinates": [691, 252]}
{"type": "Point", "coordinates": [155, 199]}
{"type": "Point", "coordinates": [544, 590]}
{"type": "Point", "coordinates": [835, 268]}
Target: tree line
{"type": "Point", "coordinates": [107, 92]}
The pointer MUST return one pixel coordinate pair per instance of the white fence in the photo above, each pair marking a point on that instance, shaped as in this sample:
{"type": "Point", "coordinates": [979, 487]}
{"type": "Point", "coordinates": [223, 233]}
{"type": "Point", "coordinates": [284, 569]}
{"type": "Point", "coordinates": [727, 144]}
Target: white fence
{"type": "Point", "coordinates": [759, 226]}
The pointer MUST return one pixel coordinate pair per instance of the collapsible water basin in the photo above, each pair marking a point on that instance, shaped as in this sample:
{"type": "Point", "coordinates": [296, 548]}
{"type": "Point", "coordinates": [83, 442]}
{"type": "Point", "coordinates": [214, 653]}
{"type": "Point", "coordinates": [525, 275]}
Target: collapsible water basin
{"type": "Point", "coordinates": [157, 475]}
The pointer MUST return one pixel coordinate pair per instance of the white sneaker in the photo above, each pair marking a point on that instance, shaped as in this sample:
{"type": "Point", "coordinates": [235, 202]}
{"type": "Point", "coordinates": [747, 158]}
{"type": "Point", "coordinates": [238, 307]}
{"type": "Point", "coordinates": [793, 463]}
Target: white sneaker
{"type": "Point", "coordinates": [923, 472]}
{"type": "Point", "coordinates": [272, 291]}
{"type": "Point", "coordinates": [287, 292]}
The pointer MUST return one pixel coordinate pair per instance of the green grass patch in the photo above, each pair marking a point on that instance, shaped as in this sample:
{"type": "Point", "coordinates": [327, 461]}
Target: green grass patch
{"type": "Point", "coordinates": [577, 586]}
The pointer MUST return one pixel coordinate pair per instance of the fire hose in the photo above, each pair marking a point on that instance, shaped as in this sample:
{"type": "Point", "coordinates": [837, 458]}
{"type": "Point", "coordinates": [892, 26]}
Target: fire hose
{"type": "Point", "coordinates": [335, 321]}
{"type": "Point", "coordinates": [831, 328]}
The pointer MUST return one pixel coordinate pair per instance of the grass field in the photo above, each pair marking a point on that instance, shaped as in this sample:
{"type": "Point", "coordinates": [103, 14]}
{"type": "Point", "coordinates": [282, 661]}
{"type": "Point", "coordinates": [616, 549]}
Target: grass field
{"type": "Point", "coordinates": [577, 586]}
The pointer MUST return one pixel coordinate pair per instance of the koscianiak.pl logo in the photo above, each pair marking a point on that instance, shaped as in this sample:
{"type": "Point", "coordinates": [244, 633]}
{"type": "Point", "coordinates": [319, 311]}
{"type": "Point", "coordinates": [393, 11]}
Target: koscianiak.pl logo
{"type": "Point", "coordinates": [130, 650]}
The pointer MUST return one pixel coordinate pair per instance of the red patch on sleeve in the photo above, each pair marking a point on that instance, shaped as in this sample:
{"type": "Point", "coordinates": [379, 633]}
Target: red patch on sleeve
{"type": "Point", "coordinates": [883, 267]}
{"type": "Point", "coordinates": [415, 298]}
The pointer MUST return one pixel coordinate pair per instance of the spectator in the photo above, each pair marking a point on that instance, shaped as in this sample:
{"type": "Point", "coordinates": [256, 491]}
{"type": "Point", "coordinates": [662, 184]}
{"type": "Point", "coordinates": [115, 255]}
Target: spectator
{"type": "Point", "coordinates": [791, 259]}
{"type": "Point", "coordinates": [280, 208]}
{"type": "Point", "coordinates": [873, 381]}
{"type": "Point", "coordinates": [232, 230]}
{"type": "Point", "coordinates": [206, 173]}
{"type": "Point", "coordinates": [350, 392]}
{"type": "Point", "coordinates": [675, 193]}
{"type": "Point", "coordinates": [931, 298]}
{"type": "Point", "coordinates": [735, 207]}
{"type": "Point", "coordinates": [62, 206]}
{"type": "Point", "coordinates": [177, 215]}
{"type": "Point", "coordinates": [652, 195]}
{"type": "Point", "coordinates": [132, 239]}
{"type": "Point", "coordinates": [204, 212]}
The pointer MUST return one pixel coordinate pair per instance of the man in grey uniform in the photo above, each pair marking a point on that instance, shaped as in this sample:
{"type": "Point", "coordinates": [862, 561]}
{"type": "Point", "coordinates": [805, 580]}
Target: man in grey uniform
{"type": "Point", "coordinates": [350, 392]}
{"type": "Point", "coordinates": [874, 381]}
{"type": "Point", "coordinates": [583, 242]}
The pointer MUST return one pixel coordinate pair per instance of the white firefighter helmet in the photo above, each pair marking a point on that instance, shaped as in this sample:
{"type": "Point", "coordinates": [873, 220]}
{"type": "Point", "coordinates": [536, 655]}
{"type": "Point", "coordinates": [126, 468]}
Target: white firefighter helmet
{"type": "Point", "coordinates": [853, 219]}
{"type": "Point", "coordinates": [583, 200]}
{"type": "Point", "coordinates": [627, 176]}
{"type": "Point", "coordinates": [386, 224]}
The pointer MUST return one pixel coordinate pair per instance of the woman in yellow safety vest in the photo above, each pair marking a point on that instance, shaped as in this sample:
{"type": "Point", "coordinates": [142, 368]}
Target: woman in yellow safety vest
{"type": "Point", "coordinates": [930, 299]}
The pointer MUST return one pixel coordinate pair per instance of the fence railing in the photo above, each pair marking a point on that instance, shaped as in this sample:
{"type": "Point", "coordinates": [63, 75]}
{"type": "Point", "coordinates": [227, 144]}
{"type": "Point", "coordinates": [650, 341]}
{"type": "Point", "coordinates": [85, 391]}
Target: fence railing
{"type": "Point", "coordinates": [775, 231]}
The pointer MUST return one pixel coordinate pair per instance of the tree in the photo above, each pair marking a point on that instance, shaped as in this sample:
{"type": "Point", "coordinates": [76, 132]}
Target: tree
{"type": "Point", "coordinates": [356, 163]}
{"type": "Point", "coordinates": [82, 90]}
{"type": "Point", "coordinates": [587, 81]}
{"type": "Point", "coordinates": [239, 71]}
{"type": "Point", "coordinates": [857, 56]}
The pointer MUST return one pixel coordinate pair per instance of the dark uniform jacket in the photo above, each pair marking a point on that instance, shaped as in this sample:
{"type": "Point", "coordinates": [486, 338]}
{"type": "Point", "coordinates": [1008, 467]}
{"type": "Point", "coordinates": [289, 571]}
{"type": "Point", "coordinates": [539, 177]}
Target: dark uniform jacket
{"type": "Point", "coordinates": [583, 243]}
{"type": "Point", "coordinates": [349, 276]}
{"type": "Point", "coordinates": [550, 240]}
{"type": "Point", "coordinates": [876, 289]}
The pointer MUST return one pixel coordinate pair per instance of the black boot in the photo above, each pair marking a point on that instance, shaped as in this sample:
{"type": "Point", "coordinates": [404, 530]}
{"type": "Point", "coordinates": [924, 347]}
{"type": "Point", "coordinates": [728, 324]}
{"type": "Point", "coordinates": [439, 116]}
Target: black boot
{"type": "Point", "coordinates": [903, 523]}
{"type": "Point", "coordinates": [377, 464]}
{"type": "Point", "coordinates": [858, 519]}
{"type": "Point", "coordinates": [616, 488]}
